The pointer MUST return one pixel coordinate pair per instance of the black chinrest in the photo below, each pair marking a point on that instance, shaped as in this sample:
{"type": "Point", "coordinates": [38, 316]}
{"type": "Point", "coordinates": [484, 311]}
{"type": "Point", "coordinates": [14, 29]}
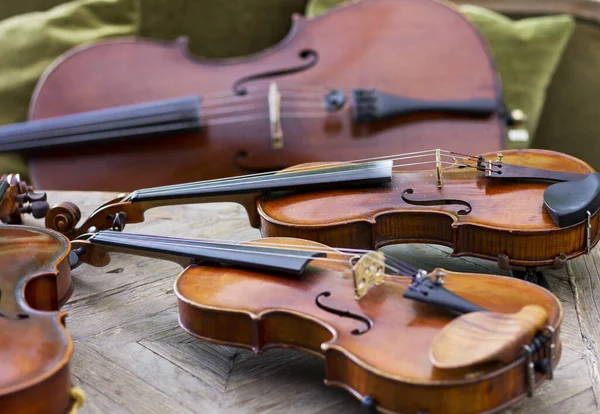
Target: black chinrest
{"type": "Point", "coordinates": [568, 202]}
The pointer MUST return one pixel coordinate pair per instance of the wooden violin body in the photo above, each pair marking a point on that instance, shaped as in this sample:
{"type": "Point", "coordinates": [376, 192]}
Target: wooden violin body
{"type": "Point", "coordinates": [35, 347]}
{"type": "Point", "coordinates": [376, 347]}
{"type": "Point", "coordinates": [503, 220]}
{"type": "Point", "coordinates": [387, 46]}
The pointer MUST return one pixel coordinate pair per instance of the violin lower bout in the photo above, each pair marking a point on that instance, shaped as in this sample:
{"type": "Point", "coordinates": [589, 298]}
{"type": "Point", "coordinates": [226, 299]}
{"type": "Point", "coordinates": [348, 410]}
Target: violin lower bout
{"type": "Point", "coordinates": [479, 390]}
{"type": "Point", "coordinates": [515, 248]}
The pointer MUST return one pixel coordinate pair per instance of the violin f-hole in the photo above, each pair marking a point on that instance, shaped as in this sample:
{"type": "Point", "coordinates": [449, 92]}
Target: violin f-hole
{"type": "Point", "coordinates": [345, 314]}
{"type": "Point", "coordinates": [435, 202]}
{"type": "Point", "coordinates": [310, 55]}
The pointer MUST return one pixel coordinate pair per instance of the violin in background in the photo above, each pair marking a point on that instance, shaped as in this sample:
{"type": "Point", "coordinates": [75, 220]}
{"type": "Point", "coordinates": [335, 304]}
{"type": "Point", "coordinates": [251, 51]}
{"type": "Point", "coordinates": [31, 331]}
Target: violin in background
{"type": "Point", "coordinates": [524, 209]}
{"type": "Point", "coordinates": [374, 77]}
{"type": "Point", "coordinates": [391, 335]}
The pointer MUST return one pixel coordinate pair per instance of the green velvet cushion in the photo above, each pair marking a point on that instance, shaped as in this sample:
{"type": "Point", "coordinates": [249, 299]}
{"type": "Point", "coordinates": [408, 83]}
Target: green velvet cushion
{"type": "Point", "coordinates": [31, 41]}
{"type": "Point", "coordinates": [526, 53]}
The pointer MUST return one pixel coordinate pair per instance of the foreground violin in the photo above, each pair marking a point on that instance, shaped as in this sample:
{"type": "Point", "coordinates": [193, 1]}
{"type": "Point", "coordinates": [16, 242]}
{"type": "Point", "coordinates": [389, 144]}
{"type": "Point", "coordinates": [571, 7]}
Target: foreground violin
{"type": "Point", "coordinates": [525, 209]}
{"type": "Point", "coordinates": [35, 347]}
{"type": "Point", "coordinates": [356, 82]}
{"type": "Point", "coordinates": [388, 333]}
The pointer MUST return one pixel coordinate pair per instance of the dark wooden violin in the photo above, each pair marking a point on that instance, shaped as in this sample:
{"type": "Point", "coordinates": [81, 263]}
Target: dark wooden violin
{"type": "Point", "coordinates": [35, 347]}
{"type": "Point", "coordinates": [19, 198]}
{"type": "Point", "coordinates": [525, 209]}
{"type": "Point", "coordinates": [397, 338]}
{"type": "Point", "coordinates": [372, 78]}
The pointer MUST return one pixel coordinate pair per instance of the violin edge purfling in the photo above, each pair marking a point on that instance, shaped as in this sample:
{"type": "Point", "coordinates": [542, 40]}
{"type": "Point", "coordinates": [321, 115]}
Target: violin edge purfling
{"type": "Point", "coordinates": [48, 388]}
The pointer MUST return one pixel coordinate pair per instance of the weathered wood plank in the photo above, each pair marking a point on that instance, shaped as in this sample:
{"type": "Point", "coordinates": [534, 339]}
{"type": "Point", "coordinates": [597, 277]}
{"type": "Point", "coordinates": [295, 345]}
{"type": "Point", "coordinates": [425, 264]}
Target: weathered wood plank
{"type": "Point", "coordinates": [120, 385]}
{"type": "Point", "coordinates": [131, 355]}
{"type": "Point", "coordinates": [585, 279]}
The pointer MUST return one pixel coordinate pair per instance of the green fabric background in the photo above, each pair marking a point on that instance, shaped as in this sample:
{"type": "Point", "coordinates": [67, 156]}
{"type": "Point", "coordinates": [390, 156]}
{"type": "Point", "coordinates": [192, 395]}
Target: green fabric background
{"type": "Point", "coordinates": [570, 122]}
{"type": "Point", "coordinates": [526, 53]}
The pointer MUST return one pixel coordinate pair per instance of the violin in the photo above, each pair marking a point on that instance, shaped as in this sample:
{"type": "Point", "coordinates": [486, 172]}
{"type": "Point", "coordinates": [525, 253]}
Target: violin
{"type": "Point", "coordinates": [393, 336]}
{"type": "Point", "coordinates": [359, 81]}
{"type": "Point", "coordinates": [524, 209]}
{"type": "Point", "coordinates": [19, 198]}
{"type": "Point", "coordinates": [35, 347]}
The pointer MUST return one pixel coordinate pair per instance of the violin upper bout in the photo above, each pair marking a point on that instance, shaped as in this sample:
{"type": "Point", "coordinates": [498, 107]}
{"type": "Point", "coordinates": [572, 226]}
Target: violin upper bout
{"type": "Point", "coordinates": [569, 202]}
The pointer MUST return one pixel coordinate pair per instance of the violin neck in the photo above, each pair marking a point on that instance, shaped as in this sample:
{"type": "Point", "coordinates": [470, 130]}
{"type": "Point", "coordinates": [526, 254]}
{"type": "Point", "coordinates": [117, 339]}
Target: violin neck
{"type": "Point", "coordinates": [186, 252]}
{"type": "Point", "coordinates": [148, 119]}
{"type": "Point", "coordinates": [236, 188]}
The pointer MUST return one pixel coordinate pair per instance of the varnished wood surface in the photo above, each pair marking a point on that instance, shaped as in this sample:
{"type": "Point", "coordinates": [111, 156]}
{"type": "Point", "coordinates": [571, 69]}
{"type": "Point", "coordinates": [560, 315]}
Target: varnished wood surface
{"type": "Point", "coordinates": [130, 355]}
{"type": "Point", "coordinates": [34, 346]}
{"type": "Point", "coordinates": [351, 43]}
{"type": "Point", "coordinates": [485, 217]}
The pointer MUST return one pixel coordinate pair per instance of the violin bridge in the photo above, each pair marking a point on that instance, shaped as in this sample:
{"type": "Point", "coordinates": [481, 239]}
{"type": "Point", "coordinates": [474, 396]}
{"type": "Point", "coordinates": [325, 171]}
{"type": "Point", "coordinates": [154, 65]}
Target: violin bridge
{"type": "Point", "coordinates": [368, 271]}
{"type": "Point", "coordinates": [438, 167]}
{"type": "Point", "coordinates": [275, 116]}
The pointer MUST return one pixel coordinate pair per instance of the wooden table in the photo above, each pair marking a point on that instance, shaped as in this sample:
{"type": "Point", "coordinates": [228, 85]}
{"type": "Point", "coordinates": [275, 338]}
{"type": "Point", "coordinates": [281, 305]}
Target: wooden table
{"type": "Point", "coordinates": [132, 356]}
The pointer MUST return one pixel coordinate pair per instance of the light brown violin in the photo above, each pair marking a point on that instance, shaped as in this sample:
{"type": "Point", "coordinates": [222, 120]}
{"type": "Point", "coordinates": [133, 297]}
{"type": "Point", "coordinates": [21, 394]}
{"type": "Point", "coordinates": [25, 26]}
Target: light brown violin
{"type": "Point", "coordinates": [398, 339]}
{"type": "Point", "coordinates": [524, 209]}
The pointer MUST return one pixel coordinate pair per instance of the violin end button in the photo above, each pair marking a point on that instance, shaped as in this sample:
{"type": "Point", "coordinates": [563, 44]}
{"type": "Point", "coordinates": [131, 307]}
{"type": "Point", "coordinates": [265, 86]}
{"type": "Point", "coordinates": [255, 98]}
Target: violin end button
{"type": "Point", "coordinates": [368, 402]}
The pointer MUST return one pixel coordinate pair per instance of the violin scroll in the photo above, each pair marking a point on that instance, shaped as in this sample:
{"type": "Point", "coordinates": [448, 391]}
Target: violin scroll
{"type": "Point", "coordinates": [63, 217]}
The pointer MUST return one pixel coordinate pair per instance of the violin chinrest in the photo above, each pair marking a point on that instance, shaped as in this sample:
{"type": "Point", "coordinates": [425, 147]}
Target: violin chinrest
{"type": "Point", "coordinates": [568, 202]}
{"type": "Point", "coordinates": [480, 337]}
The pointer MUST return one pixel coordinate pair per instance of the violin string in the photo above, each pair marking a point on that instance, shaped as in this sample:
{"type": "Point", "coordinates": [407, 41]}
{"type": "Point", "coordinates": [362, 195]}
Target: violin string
{"type": "Point", "coordinates": [314, 89]}
{"type": "Point", "coordinates": [393, 265]}
{"type": "Point", "coordinates": [393, 157]}
{"type": "Point", "coordinates": [311, 168]}
{"type": "Point", "coordinates": [274, 177]}
{"type": "Point", "coordinates": [262, 102]}
{"type": "Point", "coordinates": [248, 118]}
{"type": "Point", "coordinates": [276, 254]}
{"type": "Point", "coordinates": [263, 243]}
{"type": "Point", "coordinates": [215, 113]}
{"type": "Point", "coordinates": [160, 240]}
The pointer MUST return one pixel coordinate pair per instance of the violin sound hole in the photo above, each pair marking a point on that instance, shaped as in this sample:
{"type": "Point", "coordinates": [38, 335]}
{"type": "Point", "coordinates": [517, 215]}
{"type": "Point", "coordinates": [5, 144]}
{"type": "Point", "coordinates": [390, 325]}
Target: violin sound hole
{"type": "Point", "coordinates": [406, 196]}
{"type": "Point", "coordinates": [309, 55]}
{"type": "Point", "coordinates": [345, 314]}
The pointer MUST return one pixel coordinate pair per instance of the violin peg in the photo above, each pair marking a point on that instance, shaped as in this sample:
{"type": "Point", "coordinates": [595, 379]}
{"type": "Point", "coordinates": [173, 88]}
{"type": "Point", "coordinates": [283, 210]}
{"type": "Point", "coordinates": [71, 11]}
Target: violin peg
{"type": "Point", "coordinates": [37, 209]}
{"type": "Point", "coordinates": [480, 337]}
